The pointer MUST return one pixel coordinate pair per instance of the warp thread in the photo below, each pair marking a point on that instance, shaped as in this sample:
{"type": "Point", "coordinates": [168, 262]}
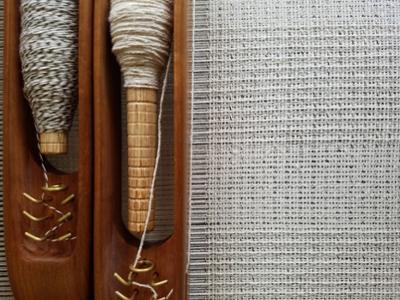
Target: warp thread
{"type": "Point", "coordinates": [48, 51]}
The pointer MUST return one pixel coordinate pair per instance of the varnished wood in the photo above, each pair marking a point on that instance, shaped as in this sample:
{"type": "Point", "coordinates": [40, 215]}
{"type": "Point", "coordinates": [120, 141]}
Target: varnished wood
{"type": "Point", "coordinates": [180, 141]}
{"type": "Point", "coordinates": [54, 143]}
{"type": "Point", "coordinates": [45, 270]}
{"type": "Point", "coordinates": [114, 246]}
{"type": "Point", "coordinates": [142, 140]}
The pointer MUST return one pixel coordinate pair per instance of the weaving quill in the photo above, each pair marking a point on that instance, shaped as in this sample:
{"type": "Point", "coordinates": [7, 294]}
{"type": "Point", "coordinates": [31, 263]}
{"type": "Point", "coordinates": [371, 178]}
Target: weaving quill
{"type": "Point", "coordinates": [141, 33]}
{"type": "Point", "coordinates": [133, 40]}
{"type": "Point", "coordinates": [295, 150]}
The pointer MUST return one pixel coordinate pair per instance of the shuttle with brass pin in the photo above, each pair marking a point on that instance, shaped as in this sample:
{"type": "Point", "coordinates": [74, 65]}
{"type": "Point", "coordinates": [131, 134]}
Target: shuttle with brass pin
{"type": "Point", "coordinates": [47, 83]}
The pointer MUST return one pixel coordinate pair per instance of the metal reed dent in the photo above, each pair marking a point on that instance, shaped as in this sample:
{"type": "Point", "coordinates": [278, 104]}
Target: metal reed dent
{"type": "Point", "coordinates": [143, 266]}
{"type": "Point", "coordinates": [50, 234]}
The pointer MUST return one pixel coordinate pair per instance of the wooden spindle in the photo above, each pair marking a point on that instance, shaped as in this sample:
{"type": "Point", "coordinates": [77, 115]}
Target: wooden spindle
{"type": "Point", "coordinates": [52, 143]}
{"type": "Point", "coordinates": [142, 148]}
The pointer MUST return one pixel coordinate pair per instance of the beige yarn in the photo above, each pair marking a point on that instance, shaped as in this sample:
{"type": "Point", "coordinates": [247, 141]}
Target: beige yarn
{"type": "Point", "coordinates": [141, 34]}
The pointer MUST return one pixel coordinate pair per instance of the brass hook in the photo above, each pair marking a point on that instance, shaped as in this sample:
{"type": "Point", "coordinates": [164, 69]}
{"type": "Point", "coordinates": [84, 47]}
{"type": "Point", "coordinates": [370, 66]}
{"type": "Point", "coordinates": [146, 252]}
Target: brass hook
{"type": "Point", "coordinates": [43, 238]}
{"type": "Point", "coordinates": [123, 297]}
{"type": "Point", "coordinates": [62, 217]}
{"type": "Point", "coordinates": [65, 217]}
{"type": "Point", "coordinates": [34, 200]}
{"type": "Point", "coordinates": [158, 283]}
{"type": "Point", "coordinates": [143, 266]}
{"type": "Point", "coordinates": [62, 238]}
{"type": "Point", "coordinates": [121, 280]}
{"type": "Point", "coordinates": [54, 187]}
{"type": "Point", "coordinates": [34, 237]}
{"type": "Point", "coordinates": [163, 298]}
{"type": "Point", "coordinates": [68, 199]}
{"type": "Point", "coordinates": [35, 219]}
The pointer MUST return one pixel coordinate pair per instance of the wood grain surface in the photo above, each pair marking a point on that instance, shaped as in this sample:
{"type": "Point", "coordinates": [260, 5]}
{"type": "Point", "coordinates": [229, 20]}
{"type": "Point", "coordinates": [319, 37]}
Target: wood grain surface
{"type": "Point", "coordinates": [114, 246]}
{"type": "Point", "coordinates": [53, 142]}
{"type": "Point", "coordinates": [45, 270]}
{"type": "Point", "coordinates": [142, 147]}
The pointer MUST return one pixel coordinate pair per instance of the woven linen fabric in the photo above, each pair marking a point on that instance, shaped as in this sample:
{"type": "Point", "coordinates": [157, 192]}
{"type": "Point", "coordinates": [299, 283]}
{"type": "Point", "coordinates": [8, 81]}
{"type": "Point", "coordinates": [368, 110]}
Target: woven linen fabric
{"type": "Point", "coordinates": [295, 150]}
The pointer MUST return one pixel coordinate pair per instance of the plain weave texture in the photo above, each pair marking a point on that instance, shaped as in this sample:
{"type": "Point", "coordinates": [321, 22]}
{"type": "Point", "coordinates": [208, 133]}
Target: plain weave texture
{"type": "Point", "coordinates": [295, 150]}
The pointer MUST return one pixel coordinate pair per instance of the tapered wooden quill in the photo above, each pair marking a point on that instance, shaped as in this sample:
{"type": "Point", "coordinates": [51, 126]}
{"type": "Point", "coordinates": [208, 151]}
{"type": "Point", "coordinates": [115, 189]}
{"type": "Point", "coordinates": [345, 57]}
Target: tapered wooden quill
{"type": "Point", "coordinates": [141, 35]}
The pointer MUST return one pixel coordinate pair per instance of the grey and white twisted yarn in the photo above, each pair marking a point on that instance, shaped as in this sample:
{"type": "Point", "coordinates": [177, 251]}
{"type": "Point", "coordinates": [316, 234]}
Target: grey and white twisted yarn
{"type": "Point", "coordinates": [141, 35]}
{"type": "Point", "coordinates": [48, 51]}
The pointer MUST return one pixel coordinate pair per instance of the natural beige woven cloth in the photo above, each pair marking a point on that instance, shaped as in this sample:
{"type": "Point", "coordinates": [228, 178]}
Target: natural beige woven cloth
{"type": "Point", "coordinates": [295, 165]}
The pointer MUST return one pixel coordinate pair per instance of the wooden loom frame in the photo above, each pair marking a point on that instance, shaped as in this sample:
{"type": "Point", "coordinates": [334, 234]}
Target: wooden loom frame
{"type": "Point", "coordinates": [114, 247]}
{"type": "Point", "coordinates": [45, 270]}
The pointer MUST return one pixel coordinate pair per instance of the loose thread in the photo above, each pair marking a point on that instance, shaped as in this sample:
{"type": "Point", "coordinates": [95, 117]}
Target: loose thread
{"type": "Point", "coordinates": [152, 187]}
{"type": "Point", "coordinates": [48, 51]}
{"type": "Point", "coordinates": [159, 136]}
{"type": "Point", "coordinates": [146, 286]}
{"type": "Point", "coordinates": [141, 36]}
{"type": "Point", "coordinates": [42, 164]}
{"type": "Point", "coordinates": [53, 229]}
